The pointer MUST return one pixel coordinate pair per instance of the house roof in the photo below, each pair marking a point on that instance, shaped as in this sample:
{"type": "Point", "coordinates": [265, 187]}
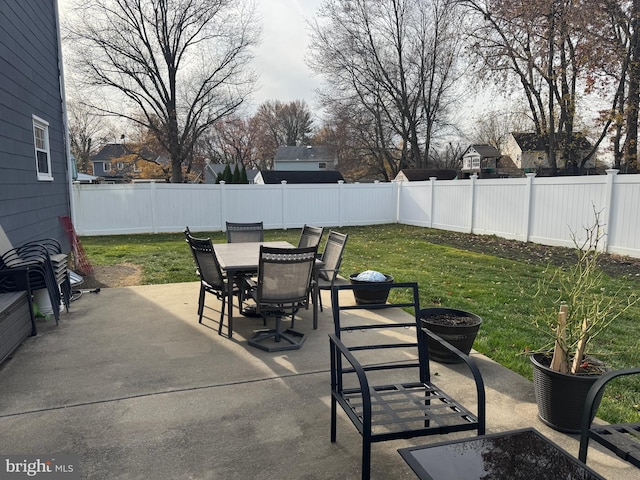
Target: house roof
{"type": "Point", "coordinates": [421, 174]}
{"type": "Point", "coordinates": [532, 142]}
{"type": "Point", "coordinates": [116, 150]}
{"type": "Point", "coordinates": [296, 176]}
{"type": "Point", "coordinates": [305, 153]}
{"type": "Point", "coordinates": [485, 150]}
{"type": "Point", "coordinates": [110, 151]}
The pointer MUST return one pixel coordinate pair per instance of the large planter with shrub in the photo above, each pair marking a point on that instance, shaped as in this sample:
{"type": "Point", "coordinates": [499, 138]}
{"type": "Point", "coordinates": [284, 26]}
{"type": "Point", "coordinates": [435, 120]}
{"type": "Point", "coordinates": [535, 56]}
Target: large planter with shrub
{"type": "Point", "coordinates": [376, 294]}
{"type": "Point", "coordinates": [560, 396]}
{"type": "Point", "coordinates": [457, 327]}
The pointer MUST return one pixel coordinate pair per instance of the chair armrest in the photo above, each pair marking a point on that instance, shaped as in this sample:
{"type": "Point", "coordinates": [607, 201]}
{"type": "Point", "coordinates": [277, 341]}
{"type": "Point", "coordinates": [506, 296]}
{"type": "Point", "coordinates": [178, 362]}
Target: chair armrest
{"type": "Point", "coordinates": [590, 405]}
{"type": "Point", "coordinates": [475, 371]}
{"type": "Point", "coordinates": [338, 352]}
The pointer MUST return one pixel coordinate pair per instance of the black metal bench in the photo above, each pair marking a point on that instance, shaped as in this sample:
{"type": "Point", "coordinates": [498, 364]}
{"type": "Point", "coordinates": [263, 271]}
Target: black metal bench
{"type": "Point", "coordinates": [622, 439]}
{"type": "Point", "coordinates": [380, 375]}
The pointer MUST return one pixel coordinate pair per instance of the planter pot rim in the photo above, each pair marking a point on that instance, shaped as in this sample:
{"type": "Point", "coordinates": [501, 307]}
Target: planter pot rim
{"type": "Point", "coordinates": [435, 311]}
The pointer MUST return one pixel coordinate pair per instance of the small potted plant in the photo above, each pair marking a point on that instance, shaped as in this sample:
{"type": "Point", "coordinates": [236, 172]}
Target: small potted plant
{"type": "Point", "coordinates": [565, 368]}
{"type": "Point", "coordinates": [373, 295]}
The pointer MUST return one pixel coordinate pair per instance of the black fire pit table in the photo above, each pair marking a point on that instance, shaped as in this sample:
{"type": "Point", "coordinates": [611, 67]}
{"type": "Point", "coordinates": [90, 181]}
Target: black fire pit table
{"type": "Point", "coordinates": [515, 455]}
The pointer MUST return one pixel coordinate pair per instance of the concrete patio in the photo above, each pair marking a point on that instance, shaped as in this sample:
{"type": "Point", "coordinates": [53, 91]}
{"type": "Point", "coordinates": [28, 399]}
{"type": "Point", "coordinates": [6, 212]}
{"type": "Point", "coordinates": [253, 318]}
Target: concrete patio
{"type": "Point", "coordinates": [133, 385]}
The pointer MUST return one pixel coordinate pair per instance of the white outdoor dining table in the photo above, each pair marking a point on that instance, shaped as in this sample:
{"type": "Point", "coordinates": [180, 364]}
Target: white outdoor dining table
{"type": "Point", "coordinates": [242, 258]}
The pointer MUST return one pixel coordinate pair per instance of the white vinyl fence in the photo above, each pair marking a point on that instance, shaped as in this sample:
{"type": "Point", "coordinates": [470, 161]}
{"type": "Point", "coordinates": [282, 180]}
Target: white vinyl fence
{"type": "Point", "coordinates": [541, 210]}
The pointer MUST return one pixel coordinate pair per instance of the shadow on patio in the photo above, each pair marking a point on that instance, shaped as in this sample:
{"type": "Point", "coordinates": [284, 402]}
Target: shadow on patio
{"type": "Point", "coordinates": [133, 385]}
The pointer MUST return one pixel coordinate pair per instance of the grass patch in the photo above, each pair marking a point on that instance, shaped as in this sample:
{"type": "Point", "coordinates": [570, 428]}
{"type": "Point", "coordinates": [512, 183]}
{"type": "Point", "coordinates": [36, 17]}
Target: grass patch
{"type": "Point", "coordinates": [451, 271]}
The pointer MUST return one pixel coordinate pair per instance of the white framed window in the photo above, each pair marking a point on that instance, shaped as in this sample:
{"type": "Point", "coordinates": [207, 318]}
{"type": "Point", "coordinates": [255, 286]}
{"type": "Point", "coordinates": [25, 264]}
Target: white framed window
{"type": "Point", "coordinates": [120, 165]}
{"type": "Point", "coordinates": [475, 162]}
{"type": "Point", "coordinates": [136, 168]}
{"type": "Point", "coordinates": [466, 163]}
{"type": "Point", "coordinates": [42, 152]}
{"type": "Point", "coordinates": [106, 166]}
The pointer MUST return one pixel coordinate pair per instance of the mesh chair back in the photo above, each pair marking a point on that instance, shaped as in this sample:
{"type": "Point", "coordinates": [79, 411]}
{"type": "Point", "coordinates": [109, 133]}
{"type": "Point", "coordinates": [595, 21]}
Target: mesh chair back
{"type": "Point", "coordinates": [310, 236]}
{"type": "Point", "coordinates": [332, 255]}
{"type": "Point", "coordinates": [206, 261]}
{"type": "Point", "coordinates": [284, 275]}
{"type": "Point", "coordinates": [245, 232]}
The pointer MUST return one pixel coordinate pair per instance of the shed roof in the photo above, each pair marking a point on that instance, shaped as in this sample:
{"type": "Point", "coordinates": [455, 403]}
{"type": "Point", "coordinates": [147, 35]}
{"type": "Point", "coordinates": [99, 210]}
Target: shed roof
{"type": "Point", "coordinates": [296, 176]}
{"type": "Point", "coordinates": [421, 174]}
{"type": "Point", "coordinates": [532, 142]}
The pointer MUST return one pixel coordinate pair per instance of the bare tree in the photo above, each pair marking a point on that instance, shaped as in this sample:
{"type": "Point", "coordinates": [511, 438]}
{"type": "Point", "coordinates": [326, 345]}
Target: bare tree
{"type": "Point", "coordinates": [398, 60]}
{"type": "Point", "coordinates": [278, 124]}
{"type": "Point", "coordinates": [87, 133]}
{"type": "Point", "coordinates": [173, 66]}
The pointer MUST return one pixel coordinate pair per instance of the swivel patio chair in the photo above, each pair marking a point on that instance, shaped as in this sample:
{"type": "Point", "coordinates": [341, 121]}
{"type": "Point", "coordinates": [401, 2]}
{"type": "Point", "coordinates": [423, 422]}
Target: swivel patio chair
{"type": "Point", "coordinates": [380, 374]}
{"type": "Point", "coordinates": [331, 257]}
{"type": "Point", "coordinates": [310, 236]}
{"type": "Point", "coordinates": [245, 232]}
{"type": "Point", "coordinates": [282, 288]}
{"type": "Point", "coordinates": [622, 439]}
{"type": "Point", "coordinates": [212, 280]}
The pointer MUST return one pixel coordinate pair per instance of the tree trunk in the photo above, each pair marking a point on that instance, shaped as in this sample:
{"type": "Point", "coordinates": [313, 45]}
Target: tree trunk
{"type": "Point", "coordinates": [631, 140]}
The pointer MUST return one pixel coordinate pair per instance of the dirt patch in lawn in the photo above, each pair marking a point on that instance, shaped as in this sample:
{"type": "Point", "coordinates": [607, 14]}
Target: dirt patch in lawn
{"type": "Point", "coordinates": [123, 275]}
{"type": "Point", "coordinates": [613, 265]}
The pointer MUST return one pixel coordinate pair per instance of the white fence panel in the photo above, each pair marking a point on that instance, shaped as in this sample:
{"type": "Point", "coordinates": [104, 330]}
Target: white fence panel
{"type": "Point", "coordinates": [311, 204]}
{"type": "Point", "coordinates": [561, 207]}
{"type": "Point", "coordinates": [624, 220]}
{"type": "Point", "coordinates": [452, 205]}
{"type": "Point", "coordinates": [251, 203]}
{"type": "Point", "coordinates": [367, 204]}
{"type": "Point", "coordinates": [500, 208]}
{"type": "Point", "coordinates": [415, 203]}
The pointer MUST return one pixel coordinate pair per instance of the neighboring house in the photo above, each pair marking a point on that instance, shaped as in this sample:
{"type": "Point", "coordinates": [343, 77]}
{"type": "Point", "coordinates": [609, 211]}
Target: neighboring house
{"type": "Point", "coordinates": [115, 163]}
{"type": "Point", "coordinates": [422, 174]}
{"type": "Point", "coordinates": [530, 152]}
{"type": "Point", "coordinates": [305, 158]}
{"type": "Point", "coordinates": [272, 177]}
{"type": "Point", "coordinates": [481, 159]}
{"type": "Point", "coordinates": [34, 156]}
{"type": "Point", "coordinates": [212, 170]}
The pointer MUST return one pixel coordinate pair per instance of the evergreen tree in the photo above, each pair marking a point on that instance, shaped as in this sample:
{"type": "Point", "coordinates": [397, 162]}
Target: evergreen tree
{"type": "Point", "coordinates": [226, 174]}
{"type": "Point", "coordinates": [243, 175]}
{"type": "Point", "coordinates": [236, 175]}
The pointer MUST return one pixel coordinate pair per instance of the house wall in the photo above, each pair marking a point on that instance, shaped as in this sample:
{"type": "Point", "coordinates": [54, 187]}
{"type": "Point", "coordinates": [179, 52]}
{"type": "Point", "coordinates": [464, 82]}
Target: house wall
{"type": "Point", "coordinates": [302, 166]}
{"type": "Point", "coordinates": [30, 85]}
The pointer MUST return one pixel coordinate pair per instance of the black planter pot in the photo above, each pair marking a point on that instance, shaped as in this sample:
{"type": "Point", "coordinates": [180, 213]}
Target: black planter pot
{"type": "Point", "coordinates": [377, 294]}
{"type": "Point", "coordinates": [460, 336]}
{"type": "Point", "coordinates": [560, 396]}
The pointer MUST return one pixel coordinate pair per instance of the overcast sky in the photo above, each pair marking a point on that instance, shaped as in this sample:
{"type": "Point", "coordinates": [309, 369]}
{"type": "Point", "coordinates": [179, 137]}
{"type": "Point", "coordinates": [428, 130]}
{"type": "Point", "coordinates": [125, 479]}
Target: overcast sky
{"type": "Point", "coordinates": [279, 59]}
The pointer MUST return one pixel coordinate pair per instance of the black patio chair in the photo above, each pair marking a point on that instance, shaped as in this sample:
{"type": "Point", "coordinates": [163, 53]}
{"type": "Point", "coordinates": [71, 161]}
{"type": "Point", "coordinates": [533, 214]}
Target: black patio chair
{"type": "Point", "coordinates": [380, 375]}
{"type": "Point", "coordinates": [212, 279]}
{"type": "Point", "coordinates": [282, 289]}
{"type": "Point", "coordinates": [622, 439]}
{"type": "Point", "coordinates": [245, 232]}
{"type": "Point", "coordinates": [310, 236]}
{"type": "Point", "coordinates": [327, 275]}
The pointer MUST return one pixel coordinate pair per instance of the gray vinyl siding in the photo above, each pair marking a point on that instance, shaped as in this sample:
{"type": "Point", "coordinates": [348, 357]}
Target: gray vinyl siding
{"type": "Point", "coordinates": [30, 85]}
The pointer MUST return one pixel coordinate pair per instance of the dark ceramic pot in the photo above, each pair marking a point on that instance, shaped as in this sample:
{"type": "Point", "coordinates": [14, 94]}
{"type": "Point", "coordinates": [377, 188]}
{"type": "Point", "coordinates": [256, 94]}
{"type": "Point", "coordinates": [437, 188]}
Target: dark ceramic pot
{"type": "Point", "coordinates": [560, 396]}
{"type": "Point", "coordinates": [377, 294]}
{"type": "Point", "coordinates": [459, 334]}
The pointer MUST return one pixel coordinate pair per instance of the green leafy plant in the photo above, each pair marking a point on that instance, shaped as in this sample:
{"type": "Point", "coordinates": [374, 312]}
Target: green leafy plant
{"type": "Point", "coordinates": [585, 306]}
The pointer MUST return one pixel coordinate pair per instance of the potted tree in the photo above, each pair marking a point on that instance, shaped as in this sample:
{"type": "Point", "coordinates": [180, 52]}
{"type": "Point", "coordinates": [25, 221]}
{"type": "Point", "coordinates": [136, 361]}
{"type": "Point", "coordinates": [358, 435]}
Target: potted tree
{"type": "Point", "coordinates": [565, 368]}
